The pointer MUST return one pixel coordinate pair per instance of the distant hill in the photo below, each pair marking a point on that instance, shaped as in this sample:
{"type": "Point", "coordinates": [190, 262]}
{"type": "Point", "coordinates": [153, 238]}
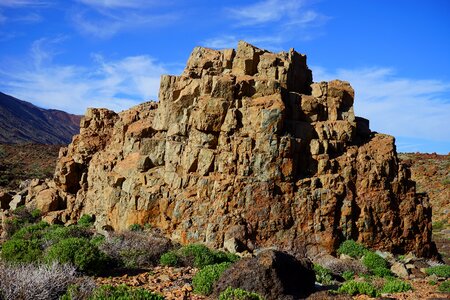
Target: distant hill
{"type": "Point", "coordinates": [23, 122]}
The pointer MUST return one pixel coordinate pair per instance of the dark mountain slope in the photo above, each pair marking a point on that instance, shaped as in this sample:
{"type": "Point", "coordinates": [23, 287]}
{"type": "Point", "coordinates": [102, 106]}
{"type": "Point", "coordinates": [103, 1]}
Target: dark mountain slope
{"type": "Point", "coordinates": [23, 122]}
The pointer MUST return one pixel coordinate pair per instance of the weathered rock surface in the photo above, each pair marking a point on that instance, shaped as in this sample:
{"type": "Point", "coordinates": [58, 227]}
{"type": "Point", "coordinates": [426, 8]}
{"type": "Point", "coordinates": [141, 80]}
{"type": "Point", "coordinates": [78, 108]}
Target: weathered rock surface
{"type": "Point", "coordinates": [272, 274]}
{"type": "Point", "coordinates": [243, 146]}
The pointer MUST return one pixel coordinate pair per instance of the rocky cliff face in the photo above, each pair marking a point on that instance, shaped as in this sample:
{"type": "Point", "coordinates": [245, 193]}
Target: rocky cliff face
{"type": "Point", "coordinates": [243, 150]}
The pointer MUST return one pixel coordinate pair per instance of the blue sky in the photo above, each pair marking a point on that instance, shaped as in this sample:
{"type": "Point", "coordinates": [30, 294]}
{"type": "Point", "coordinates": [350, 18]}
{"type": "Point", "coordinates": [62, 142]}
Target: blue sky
{"type": "Point", "coordinates": [75, 54]}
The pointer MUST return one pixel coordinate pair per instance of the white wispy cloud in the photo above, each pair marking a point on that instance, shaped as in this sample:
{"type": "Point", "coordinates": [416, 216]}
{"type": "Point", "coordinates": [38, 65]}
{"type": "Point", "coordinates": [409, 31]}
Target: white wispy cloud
{"type": "Point", "coordinates": [265, 11]}
{"type": "Point", "coordinates": [105, 18]}
{"type": "Point", "coordinates": [2, 17]}
{"type": "Point", "coordinates": [119, 3]}
{"type": "Point", "coordinates": [287, 12]}
{"type": "Point", "coordinates": [19, 3]}
{"type": "Point", "coordinates": [114, 84]}
{"type": "Point", "coordinates": [109, 23]}
{"type": "Point", "coordinates": [406, 107]}
{"type": "Point", "coordinates": [269, 24]}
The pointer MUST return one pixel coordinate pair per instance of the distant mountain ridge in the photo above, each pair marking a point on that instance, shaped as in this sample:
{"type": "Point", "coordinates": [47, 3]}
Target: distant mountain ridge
{"type": "Point", "coordinates": [23, 122]}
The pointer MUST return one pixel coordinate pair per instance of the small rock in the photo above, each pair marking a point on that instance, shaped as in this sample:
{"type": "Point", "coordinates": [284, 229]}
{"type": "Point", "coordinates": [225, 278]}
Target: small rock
{"type": "Point", "coordinates": [400, 270]}
{"type": "Point", "coordinates": [16, 201]}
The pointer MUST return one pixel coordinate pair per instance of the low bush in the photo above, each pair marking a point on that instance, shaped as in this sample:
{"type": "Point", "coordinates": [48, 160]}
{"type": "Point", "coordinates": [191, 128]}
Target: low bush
{"type": "Point", "coordinates": [323, 275]}
{"type": "Point", "coordinates": [382, 272]}
{"type": "Point", "coordinates": [373, 261]}
{"type": "Point", "coordinates": [198, 256]}
{"type": "Point", "coordinates": [395, 286]}
{"type": "Point", "coordinates": [31, 232]}
{"type": "Point", "coordinates": [354, 287]}
{"type": "Point", "coordinates": [204, 280]}
{"type": "Point", "coordinates": [21, 251]}
{"type": "Point", "coordinates": [85, 256]}
{"type": "Point", "coordinates": [238, 294]}
{"type": "Point", "coordinates": [136, 227]}
{"type": "Point", "coordinates": [135, 249]}
{"type": "Point", "coordinates": [21, 217]}
{"type": "Point", "coordinates": [444, 287]}
{"type": "Point", "coordinates": [108, 292]}
{"type": "Point", "coordinates": [29, 282]}
{"type": "Point", "coordinates": [169, 259]}
{"type": "Point", "coordinates": [340, 266]}
{"type": "Point", "coordinates": [57, 233]}
{"type": "Point", "coordinates": [348, 275]}
{"type": "Point", "coordinates": [352, 248]}
{"type": "Point", "coordinates": [440, 271]}
{"type": "Point", "coordinates": [81, 289]}
{"type": "Point", "coordinates": [86, 221]}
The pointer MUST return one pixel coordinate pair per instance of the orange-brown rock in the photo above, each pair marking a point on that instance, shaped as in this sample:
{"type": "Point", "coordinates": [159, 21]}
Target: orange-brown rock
{"type": "Point", "coordinates": [244, 147]}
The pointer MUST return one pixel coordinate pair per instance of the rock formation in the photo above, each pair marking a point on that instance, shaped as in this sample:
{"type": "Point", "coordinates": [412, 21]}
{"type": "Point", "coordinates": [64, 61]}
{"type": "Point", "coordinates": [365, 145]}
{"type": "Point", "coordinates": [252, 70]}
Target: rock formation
{"type": "Point", "coordinates": [242, 150]}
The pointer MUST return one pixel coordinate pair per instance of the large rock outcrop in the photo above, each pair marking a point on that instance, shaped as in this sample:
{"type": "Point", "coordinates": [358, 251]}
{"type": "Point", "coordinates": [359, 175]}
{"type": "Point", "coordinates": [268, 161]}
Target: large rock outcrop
{"type": "Point", "coordinates": [243, 149]}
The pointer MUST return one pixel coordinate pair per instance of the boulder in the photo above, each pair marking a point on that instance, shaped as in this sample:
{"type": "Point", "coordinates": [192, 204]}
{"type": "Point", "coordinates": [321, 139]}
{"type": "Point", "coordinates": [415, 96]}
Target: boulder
{"type": "Point", "coordinates": [274, 275]}
{"type": "Point", "coordinates": [48, 200]}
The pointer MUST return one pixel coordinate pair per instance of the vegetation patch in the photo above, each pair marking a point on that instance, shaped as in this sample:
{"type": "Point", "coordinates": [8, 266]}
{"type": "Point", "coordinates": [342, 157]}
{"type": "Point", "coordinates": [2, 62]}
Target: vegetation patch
{"type": "Point", "coordinates": [354, 287]}
{"type": "Point", "coordinates": [239, 294]}
{"type": "Point", "coordinates": [323, 275]}
{"type": "Point", "coordinates": [196, 255]}
{"type": "Point", "coordinates": [204, 280]}
{"type": "Point", "coordinates": [36, 281]}
{"type": "Point", "coordinates": [135, 249]}
{"type": "Point", "coordinates": [79, 252]}
{"type": "Point", "coordinates": [444, 287]}
{"type": "Point", "coordinates": [395, 286]}
{"type": "Point", "coordinates": [348, 275]}
{"type": "Point", "coordinates": [440, 271]}
{"type": "Point", "coordinates": [108, 292]}
{"type": "Point", "coordinates": [352, 248]}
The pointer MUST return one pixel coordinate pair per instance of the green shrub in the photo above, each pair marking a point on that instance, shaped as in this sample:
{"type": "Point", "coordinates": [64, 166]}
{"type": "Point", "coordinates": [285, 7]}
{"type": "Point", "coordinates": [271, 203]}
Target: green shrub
{"type": "Point", "coordinates": [395, 286]}
{"type": "Point", "coordinates": [169, 259]}
{"type": "Point", "coordinates": [440, 271]}
{"type": "Point", "coordinates": [382, 272]}
{"type": "Point", "coordinates": [373, 261]}
{"type": "Point", "coordinates": [21, 251]}
{"type": "Point", "coordinates": [352, 248]}
{"type": "Point", "coordinates": [196, 255]}
{"type": "Point", "coordinates": [238, 294]}
{"type": "Point", "coordinates": [86, 221]}
{"type": "Point", "coordinates": [135, 227]}
{"type": "Point", "coordinates": [79, 252]}
{"type": "Point", "coordinates": [98, 239]}
{"type": "Point", "coordinates": [444, 287]}
{"type": "Point", "coordinates": [348, 275]}
{"type": "Point", "coordinates": [323, 275]}
{"type": "Point", "coordinates": [204, 280]}
{"type": "Point", "coordinates": [21, 217]}
{"type": "Point", "coordinates": [56, 233]}
{"type": "Point", "coordinates": [123, 292]}
{"type": "Point", "coordinates": [35, 214]}
{"type": "Point", "coordinates": [200, 255]}
{"type": "Point", "coordinates": [31, 232]}
{"type": "Point", "coordinates": [353, 287]}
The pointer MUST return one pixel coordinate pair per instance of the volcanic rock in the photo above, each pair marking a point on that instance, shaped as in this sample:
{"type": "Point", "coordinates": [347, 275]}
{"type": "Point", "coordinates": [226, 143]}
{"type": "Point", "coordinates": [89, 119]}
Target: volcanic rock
{"type": "Point", "coordinates": [244, 146]}
{"type": "Point", "coordinates": [272, 274]}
